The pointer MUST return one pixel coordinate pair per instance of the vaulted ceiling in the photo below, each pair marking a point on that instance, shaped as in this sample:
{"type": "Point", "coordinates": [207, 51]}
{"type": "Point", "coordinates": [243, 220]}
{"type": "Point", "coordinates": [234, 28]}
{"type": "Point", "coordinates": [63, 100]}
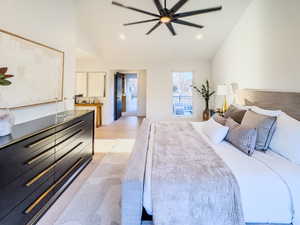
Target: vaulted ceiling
{"type": "Point", "coordinates": [100, 23]}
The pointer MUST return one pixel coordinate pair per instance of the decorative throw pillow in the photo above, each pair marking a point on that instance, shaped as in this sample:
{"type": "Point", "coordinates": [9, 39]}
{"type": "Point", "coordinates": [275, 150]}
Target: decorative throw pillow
{"type": "Point", "coordinates": [286, 138]}
{"type": "Point", "coordinates": [219, 119]}
{"type": "Point", "coordinates": [241, 137]}
{"type": "Point", "coordinates": [266, 112]}
{"type": "Point", "coordinates": [235, 113]}
{"type": "Point", "coordinates": [231, 123]}
{"type": "Point", "coordinates": [265, 126]}
{"type": "Point", "coordinates": [214, 131]}
{"type": "Point", "coordinates": [244, 107]}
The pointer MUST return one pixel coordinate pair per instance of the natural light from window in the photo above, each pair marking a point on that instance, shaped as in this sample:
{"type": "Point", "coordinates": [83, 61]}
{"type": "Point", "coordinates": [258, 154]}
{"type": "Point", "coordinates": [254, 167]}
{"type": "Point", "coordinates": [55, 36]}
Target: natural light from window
{"type": "Point", "coordinates": [182, 93]}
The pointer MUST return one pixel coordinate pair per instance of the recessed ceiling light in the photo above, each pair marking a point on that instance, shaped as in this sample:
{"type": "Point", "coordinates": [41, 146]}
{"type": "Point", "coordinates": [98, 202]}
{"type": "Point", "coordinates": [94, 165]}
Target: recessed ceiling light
{"type": "Point", "coordinates": [122, 36]}
{"type": "Point", "coordinates": [199, 36]}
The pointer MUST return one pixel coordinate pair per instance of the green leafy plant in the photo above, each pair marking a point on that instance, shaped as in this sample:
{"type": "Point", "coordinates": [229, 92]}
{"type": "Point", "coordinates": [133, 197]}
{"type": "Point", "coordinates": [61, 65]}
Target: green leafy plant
{"type": "Point", "coordinates": [4, 77]}
{"type": "Point", "coordinates": [205, 92]}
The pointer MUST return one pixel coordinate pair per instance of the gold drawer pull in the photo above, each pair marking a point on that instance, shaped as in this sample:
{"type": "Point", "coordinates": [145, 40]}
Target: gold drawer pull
{"type": "Point", "coordinates": [71, 136]}
{"type": "Point", "coordinates": [33, 160]}
{"type": "Point", "coordinates": [42, 196]}
{"type": "Point", "coordinates": [44, 172]}
{"type": "Point", "coordinates": [40, 175]}
{"type": "Point", "coordinates": [39, 141]}
{"type": "Point", "coordinates": [51, 136]}
{"type": "Point", "coordinates": [74, 125]}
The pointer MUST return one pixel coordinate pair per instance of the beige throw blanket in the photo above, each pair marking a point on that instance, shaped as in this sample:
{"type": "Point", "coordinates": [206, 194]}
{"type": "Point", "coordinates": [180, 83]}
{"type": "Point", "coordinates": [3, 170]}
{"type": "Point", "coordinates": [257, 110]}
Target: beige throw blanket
{"type": "Point", "coordinates": [191, 185]}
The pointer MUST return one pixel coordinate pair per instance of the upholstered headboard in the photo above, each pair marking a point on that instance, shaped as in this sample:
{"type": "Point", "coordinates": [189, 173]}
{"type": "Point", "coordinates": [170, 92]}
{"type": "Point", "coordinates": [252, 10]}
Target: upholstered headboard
{"type": "Point", "coordinates": [288, 102]}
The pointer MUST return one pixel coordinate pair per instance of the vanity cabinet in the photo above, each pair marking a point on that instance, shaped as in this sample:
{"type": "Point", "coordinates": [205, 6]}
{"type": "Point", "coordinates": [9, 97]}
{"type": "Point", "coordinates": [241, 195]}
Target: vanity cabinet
{"type": "Point", "coordinates": [39, 160]}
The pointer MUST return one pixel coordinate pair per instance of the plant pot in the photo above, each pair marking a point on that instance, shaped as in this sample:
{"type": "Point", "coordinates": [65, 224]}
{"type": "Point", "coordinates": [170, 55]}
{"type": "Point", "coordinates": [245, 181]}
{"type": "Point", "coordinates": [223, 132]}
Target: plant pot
{"type": "Point", "coordinates": [206, 115]}
{"type": "Point", "coordinates": [206, 112]}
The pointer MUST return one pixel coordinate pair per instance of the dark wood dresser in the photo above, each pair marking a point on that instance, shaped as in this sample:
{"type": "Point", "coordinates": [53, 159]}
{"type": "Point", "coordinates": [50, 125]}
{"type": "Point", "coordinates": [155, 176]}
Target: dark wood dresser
{"type": "Point", "coordinates": [39, 160]}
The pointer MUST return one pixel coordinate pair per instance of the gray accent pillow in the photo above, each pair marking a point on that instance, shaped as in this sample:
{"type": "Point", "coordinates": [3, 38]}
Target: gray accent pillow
{"type": "Point", "coordinates": [265, 126]}
{"type": "Point", "coordinates": [219, 119]}
{"type": "Point", "coordinates": [241, 137]}
{"type": "Point", "coordinates": [235, 113]}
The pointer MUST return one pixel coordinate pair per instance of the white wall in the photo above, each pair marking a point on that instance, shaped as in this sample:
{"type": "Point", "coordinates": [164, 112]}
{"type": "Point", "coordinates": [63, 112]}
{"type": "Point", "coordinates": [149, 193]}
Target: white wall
{"type": "Point", "coordinates": [263, 50]}
{"type": "Point", "coordinates": [142, 93]}
{"type": "Point", "coordinates": [159, 88]}
{"type": "Point", "coordinates": [159, 85]}
{"type": "Point", "coordinates": [51, 23]}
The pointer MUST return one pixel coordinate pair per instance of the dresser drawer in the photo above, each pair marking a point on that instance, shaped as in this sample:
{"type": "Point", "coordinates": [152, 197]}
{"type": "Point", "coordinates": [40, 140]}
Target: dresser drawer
{"type": "Point", "coordinates": [80, 136]}
{"type": "Point", "coordinates": [14, 193]}
{"type": "Point", "coordinates": [83, 159]}
{"type": "Point", "coordinates": [16, 163]}
{"type": "Point", "coordinates": [87, 151]}
{"type": "Point", "coordinates": [19, 158]}
{"type": "Point", "coordinates": [24, 212]}
{"type": "Point", "coordinates": [69, 160]}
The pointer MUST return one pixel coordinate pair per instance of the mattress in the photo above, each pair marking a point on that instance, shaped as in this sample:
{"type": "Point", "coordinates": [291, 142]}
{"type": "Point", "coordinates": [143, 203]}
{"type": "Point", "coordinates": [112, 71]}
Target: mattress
{"type": "Point", "coordinates": [266, 182]}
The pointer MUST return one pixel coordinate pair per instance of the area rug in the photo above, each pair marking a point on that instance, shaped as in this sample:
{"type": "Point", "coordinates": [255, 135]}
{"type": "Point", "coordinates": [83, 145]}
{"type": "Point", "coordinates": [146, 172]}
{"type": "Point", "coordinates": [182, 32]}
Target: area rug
{"type": "Point", "coordinates": [114, 145]}
{"type": "Point", "coordinates": [97, 202]}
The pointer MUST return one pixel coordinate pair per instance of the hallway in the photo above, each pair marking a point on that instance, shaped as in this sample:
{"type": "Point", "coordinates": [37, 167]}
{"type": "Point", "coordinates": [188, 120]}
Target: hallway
{"type": "Point", "coordinates": [124, 128]}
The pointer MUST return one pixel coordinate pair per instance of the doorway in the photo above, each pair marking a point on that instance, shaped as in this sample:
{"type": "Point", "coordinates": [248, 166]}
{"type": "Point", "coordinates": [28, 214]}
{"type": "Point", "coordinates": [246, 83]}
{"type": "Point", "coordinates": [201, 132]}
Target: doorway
{"type": "Point", "coordinates": [126, 94]}
{"type": "Point", "coordinates": [118, 95]}
{"type": "Point", "coordinates": [131, 95]}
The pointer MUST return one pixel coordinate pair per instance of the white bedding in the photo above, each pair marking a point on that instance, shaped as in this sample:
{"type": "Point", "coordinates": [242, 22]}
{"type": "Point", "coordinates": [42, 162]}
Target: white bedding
{"type": "Point", "coordinates": [269, 184]}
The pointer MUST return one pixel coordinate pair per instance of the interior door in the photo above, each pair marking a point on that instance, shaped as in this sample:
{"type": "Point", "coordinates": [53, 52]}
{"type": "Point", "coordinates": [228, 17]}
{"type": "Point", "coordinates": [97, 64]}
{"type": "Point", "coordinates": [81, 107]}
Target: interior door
{"type": "Point", "coordinates": [118, 95]}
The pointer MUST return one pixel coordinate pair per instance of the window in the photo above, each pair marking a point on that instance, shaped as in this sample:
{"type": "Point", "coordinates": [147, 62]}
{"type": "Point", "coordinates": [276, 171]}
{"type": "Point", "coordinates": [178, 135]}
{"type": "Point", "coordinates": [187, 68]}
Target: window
{"type": "Point", "coordinates": [182, 93]}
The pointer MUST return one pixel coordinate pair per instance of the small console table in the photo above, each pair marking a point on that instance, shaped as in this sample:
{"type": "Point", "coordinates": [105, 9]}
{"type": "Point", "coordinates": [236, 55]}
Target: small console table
{"type": "Point", "coordinates": [98, 111]}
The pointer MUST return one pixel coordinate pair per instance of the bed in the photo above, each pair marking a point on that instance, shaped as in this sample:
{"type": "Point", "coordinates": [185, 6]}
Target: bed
{"type": "Point", "coordinates": [265, 186]}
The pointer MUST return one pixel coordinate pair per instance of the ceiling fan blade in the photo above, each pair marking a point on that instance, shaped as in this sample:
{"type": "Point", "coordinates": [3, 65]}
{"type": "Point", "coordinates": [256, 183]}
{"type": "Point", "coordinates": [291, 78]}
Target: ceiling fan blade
{"type": "Point", "coordinates": [144, 21]}
{"type": "Point", "coordinates": [159, 7]}
{"type": "Point", "coordinates": [171, 28]}
{"type": "Point", "coordinates": [196, 12]}
{"type": "Point", "coordinates": [153, 28]}
{"type": "Point", "coordinates": [134, 9]}
{"type": "Point", "coordinates": [177, 6]}
{"type": "Point", "coordinates": [182, 22]}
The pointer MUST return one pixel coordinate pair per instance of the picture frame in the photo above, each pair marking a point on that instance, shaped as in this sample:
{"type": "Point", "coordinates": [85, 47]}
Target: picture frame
{"type": "Point", "coordinates": [38, 72]}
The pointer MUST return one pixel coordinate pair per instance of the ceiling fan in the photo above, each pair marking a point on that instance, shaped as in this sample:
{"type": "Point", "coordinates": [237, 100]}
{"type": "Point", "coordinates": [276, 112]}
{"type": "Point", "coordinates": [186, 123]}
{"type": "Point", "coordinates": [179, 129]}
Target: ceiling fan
{"type": "Point", "coordinates": [168, 16]}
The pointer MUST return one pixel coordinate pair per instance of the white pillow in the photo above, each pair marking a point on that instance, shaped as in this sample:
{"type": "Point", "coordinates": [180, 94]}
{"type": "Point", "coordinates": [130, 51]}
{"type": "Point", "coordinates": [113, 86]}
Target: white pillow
{"type": "Point", "coordinates": [242, 107]}
{"type": "Point", "coordinates": [214, 131]}
{"type": "Point", "coordinates": [286, 139]}
{"type": "Point", "coordinates": [265, 112]}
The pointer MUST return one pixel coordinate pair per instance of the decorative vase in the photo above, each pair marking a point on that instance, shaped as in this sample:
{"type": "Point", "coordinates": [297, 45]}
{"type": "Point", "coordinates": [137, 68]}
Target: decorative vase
{"type": "Point", "coordinates": [6, 119]}
{"type": "Point", "coordinates": [206, 112]}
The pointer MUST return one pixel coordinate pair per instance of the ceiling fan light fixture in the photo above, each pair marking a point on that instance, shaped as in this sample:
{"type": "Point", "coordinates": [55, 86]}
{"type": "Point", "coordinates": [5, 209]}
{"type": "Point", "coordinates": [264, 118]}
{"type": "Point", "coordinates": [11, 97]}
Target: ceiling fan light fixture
{"type": "Point", "coordinates": [165, 19]}
{"type": "Point", "coordinates": [168, 16]}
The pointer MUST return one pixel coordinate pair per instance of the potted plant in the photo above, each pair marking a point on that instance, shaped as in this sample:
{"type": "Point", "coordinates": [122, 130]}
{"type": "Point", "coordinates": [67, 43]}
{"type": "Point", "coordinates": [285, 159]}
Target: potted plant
{"type": "Point", "coordinates": [205, 92]}
{"type": "Point", "coordinates": [6, 119]}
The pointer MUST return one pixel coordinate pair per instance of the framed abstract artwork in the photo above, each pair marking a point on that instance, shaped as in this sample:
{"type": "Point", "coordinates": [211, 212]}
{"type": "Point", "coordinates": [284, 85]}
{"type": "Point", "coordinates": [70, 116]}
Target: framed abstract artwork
{"type": "Point", "coordinates": [37, 68]}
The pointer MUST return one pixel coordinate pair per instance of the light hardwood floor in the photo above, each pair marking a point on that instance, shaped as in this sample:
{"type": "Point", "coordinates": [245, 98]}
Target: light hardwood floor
{"type": "Point", "coordinates": [125, 127]}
